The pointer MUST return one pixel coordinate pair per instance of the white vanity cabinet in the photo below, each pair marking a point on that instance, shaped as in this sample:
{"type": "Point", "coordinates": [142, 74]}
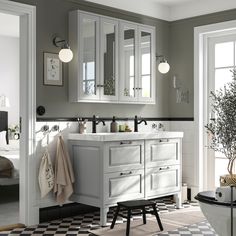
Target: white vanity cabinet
{"type": "Point", "coordinates": [114, 60]}
{"type": "Point", "coordinates": [117, 167]}
{"type": "Point", "coordinates": [107, 172]}
{"type": "Point", "coordinates": [163, 167]}
{"type": "Point", "coordinates": [124, 171]}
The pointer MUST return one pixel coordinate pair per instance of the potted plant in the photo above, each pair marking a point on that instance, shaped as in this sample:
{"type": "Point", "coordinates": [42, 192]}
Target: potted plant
{"type": "Point", "coordinates": [222, 128]}
{"type": "Point", "coordinates": [13, 131]}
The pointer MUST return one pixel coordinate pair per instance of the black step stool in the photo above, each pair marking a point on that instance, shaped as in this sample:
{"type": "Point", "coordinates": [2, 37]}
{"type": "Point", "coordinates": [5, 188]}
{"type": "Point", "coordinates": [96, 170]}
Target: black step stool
{"type": "Point", "coordinates": [133, 205]}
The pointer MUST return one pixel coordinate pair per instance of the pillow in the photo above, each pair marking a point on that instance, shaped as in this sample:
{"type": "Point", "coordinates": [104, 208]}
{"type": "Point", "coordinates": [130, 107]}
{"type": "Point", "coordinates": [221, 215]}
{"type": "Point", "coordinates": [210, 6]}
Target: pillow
{"type": "Point", "coordinates": [3, 140]}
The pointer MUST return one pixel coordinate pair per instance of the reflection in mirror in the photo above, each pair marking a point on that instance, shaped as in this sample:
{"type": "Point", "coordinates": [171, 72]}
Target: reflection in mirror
{"type": "Point", "coordinates": [146, 64]}
{"type": "Point", "coordinates": [129, 62]}
{"type": "Point", "coordinates": [109, 58]}
{"type": "Point", "coordinates": [89, 56]}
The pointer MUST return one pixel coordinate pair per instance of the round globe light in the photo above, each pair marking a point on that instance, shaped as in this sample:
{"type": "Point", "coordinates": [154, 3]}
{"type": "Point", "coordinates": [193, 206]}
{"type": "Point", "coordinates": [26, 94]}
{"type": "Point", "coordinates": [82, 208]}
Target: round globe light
{"type": "Point", "coordinates": [65, 55]}
{"type": "Point", "coordinates": [163, 67]}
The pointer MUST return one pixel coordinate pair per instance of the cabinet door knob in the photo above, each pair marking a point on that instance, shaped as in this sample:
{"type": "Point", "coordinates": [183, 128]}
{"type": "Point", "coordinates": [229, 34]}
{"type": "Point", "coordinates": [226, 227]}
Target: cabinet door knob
{"type": "Point", "coordinates": [100, 85]}
{"type": "Point", "coordinates": [164, 168]}
{"type": "Point", "coordinates": [126, 173]}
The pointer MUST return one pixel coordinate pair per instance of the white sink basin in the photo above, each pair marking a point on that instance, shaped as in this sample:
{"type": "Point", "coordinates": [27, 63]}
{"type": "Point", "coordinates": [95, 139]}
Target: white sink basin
{"type": "Point", "coordinates": [124, 136]}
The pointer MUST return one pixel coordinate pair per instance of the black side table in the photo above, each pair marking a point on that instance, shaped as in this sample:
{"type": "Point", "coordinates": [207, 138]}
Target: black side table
{"type": "Point", "coordinates": [134, 205]}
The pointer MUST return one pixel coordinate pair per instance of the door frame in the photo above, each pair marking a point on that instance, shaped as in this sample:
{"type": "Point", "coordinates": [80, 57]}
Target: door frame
{"type": "Point", "coordinates": [27, 17]}
{"type": "Point", "coordinates": [202, 34]}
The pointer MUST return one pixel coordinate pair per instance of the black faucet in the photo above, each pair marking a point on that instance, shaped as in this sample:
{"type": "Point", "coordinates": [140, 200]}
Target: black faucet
{"type": "Point", "coordinates": [137, 122]}
{"type": "Point", "coordinates": [95, 122]}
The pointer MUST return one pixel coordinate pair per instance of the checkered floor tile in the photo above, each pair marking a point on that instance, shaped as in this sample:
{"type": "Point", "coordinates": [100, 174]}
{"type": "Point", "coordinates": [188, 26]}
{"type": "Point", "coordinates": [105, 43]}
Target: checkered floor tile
{"type": "Point", "coordinates": [80, 224]}
{"type": "Point", "coordinates": [200, 229]}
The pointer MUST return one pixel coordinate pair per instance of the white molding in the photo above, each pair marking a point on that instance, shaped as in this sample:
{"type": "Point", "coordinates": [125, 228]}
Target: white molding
{"type": "Point", "coordinates": [27, 13]}
{"type": "Point", "coordinates": [198, 8]}
{"type": "Point", "coordinates": [147, 7]}
{"type": "Point", "coordinates": [170, 11]}
{"type": "Point", "coordinates": [201, 36]}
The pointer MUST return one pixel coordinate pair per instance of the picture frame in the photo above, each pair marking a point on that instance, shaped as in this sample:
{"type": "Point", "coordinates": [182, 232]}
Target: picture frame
{"type": "Point", "coordinates": [52, 69]}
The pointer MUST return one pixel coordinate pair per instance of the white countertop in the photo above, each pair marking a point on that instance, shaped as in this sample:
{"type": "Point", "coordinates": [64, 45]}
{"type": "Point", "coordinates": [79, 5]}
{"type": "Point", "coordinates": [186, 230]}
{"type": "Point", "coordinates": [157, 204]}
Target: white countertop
{"type": "Point", "coordinates": [124, 136]}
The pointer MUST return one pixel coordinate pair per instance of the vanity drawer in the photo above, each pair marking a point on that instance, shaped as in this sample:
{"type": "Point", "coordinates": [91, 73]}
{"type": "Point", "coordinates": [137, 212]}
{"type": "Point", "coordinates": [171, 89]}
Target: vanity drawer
{"type": "Point", "coordinates": [124, 185]}
{"type": "Point", "coordinates": [162, 152]}
{"type": "Point", "coordinates": [123, 155]}
{"type": "Point", "coordinates": [162, 180]}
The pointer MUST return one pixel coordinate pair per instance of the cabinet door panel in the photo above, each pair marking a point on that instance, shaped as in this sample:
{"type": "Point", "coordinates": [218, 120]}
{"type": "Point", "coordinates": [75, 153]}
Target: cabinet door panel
{"type": "Point", "coordinates": [122, 186]}
{"type": "Point", "coordinates": [128, 62]}
{"type": "Point", "coordinates": [124, 155]}
{"type": "Point", "coordinates": [109, 59]}
{"type": "Point", "coordinates": [146, 65]}
{"type": "Point", "coordinates": [159, 153]}
{"type": "Point", "coordinates": [162, 180]}
{"type": "Point", "coordinates": [89, 51]}
{"type": "Point", "coordinates": [87, 180]}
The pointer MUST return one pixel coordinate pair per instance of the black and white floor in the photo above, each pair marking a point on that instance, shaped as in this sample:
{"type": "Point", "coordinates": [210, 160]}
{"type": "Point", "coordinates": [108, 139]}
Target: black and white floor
{"type": "Point", "coordinates": [80, 224]}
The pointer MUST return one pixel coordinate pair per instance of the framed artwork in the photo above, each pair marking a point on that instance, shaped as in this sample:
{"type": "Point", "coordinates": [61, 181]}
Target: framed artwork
{"type": "Point", "coordinates": [52, 69]}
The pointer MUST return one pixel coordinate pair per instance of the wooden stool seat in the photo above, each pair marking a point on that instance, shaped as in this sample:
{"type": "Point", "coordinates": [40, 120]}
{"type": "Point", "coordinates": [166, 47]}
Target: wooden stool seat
{"type": "Point", "coordinates": [134, 205]}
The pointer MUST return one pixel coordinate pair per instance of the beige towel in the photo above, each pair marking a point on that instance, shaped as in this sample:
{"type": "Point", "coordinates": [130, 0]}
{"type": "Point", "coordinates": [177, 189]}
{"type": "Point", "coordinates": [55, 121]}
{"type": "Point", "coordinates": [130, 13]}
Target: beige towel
{"type": "Point", "coordinates": [64, 175]}
{"type": "Point", "coordinates": [46, 175]}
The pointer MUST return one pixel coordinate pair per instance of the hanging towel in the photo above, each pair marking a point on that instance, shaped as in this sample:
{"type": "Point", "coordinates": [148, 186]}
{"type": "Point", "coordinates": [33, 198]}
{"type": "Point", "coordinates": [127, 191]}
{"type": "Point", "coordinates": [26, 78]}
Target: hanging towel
{"type": "Point", "coordinates": [64, 175]}
{"type": "Point", "coordinates": [46, 174]}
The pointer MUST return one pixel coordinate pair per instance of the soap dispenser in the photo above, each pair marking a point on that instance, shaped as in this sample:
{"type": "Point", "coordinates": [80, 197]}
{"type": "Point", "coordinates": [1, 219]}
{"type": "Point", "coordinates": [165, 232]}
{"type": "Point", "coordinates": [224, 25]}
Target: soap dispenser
{"type": "Point", "coordinates": [114, 125]}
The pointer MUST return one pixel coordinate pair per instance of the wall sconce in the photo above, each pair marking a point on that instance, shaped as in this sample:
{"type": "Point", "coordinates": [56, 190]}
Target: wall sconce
{"type": "Point", "coordinates": [164, 66]}
{"type": "Point", "coordinates": [4, 101]}
{"type": "Point", "coordinates": [65, 54]}
{"type": "Point", "coordinates": [181, 95]}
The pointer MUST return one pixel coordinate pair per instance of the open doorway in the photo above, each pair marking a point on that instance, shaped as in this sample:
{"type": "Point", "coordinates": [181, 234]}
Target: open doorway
{"type": "Point", "coordinates": [28, 210]}
{"type": "Point", "coordinates": [9, 114]}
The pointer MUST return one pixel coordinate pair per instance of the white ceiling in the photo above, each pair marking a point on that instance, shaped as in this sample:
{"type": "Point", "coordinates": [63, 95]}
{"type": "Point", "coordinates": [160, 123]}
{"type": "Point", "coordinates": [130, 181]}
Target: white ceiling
{"type": "Point", "coordinates": [9, 25]}
{"type": "Point", "coordinates": [170, 9]}
{"type": "Point", "coordinates": [171, 3]}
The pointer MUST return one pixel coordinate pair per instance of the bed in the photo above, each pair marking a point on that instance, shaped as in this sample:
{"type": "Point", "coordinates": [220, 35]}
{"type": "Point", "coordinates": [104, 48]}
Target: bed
{"type": "Point", "coordinates": [9, 154]}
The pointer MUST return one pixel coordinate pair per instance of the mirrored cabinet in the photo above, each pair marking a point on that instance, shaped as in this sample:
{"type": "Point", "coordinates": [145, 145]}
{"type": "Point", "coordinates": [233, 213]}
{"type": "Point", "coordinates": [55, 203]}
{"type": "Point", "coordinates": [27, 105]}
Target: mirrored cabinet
{"type": "Point", "coordinates": [113, 60]}
{"type": "Point", "coordinates": [137, 61]}
{"type": "Point", "coordinates": [109, 59]}
{"type": "Point", "coordinates": [88, 56]}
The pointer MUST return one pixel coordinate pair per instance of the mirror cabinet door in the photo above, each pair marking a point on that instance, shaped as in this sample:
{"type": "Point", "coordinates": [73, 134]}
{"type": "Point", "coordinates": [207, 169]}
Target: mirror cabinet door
{"type": "Point", "coordinates": [128, 61]}
{"type": "Point", "coordinates": [89, 55]}
{"type": "Point", "coordinates": [109, 58]}
{"type": "Point", "coordinates": [145, 67]}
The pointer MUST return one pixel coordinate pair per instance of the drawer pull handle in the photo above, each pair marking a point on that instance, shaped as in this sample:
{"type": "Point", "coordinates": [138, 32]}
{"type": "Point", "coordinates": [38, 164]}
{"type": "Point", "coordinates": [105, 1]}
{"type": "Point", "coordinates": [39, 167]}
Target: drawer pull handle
{"type": "Point", "coordinates": [124, 142]}
{"type": "Point", "coordinates": [127, 173]}
{"type": "Point", "coordinates": [163, 140]}
{"type": "Point", "coordinates": [164, 168]}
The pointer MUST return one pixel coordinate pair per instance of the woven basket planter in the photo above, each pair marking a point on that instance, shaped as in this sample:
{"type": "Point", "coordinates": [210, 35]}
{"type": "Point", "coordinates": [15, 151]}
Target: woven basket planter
{"type": "Point", "coordinates": [228, 180]}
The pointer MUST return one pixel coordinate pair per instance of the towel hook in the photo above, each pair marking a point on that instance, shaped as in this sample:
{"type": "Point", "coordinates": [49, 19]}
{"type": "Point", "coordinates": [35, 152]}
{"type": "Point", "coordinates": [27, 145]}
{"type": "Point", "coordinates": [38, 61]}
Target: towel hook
{"type": "Point", "coordinates": [55, 128]}
{"type": "Point", "coordinates": [45, 128]}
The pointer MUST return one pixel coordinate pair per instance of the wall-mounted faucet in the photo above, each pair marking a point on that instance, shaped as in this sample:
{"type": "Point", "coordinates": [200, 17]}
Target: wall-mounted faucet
{"type": "Point", "coordinates": [137, 122]}
{"type": "Point", "coordinates": [95, 122]}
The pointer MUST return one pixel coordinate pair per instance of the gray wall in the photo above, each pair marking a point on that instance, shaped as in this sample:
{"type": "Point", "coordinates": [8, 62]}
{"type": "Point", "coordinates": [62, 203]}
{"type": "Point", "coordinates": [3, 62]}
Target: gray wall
{"type": "Point", "coordinates": [174, 40]}
{"type": "Point", "coordinates": [181, 57]}
{"type": "Point", "coordinates": [52, 17]}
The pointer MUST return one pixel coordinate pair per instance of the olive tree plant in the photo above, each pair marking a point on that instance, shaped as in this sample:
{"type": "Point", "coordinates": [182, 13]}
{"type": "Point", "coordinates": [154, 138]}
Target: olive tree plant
{"type": "Point", "coordinates": [223, 127]}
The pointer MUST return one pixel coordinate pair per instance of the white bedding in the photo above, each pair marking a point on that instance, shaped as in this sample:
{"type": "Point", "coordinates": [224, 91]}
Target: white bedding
{"type": "Point", "coordinates": [11, 152]}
